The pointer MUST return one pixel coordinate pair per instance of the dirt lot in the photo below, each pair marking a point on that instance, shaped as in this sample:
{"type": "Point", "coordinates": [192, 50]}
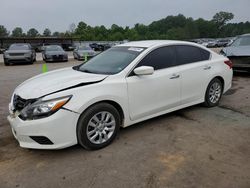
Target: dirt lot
{"type": "Point", "coordinates": [194, 147]}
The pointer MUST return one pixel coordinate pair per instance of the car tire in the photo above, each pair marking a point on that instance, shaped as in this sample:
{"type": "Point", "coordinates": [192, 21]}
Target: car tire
{"type": "Point", "coordinates": [213, 93]}
{"type": "Point", "coordinates": [98, 126]}
{"type": "Point", "coordinates": [6, 63]}
{"type": "Point", "coordinates": [31, 62]}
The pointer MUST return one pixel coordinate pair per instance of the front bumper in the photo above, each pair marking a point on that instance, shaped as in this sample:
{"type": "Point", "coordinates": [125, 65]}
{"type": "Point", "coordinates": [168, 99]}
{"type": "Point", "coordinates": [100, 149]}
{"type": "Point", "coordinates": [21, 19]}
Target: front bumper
{"type": "Point", "coordinates": [17, 59]}
{"type": "Point", "coordinates": [59, 128]}
{"type": "Point", "coordinates": [82, 57]}
{"type": "Point", "coordinates": [56, 58]}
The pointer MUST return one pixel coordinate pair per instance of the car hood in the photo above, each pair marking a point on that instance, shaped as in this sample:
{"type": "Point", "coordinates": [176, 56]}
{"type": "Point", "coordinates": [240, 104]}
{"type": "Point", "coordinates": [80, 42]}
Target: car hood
{"type": "Point", "coordinates": [55, 81]}
{"type": "Point", "coordinates": [55, 53]}
{"type": "Point", "coordinates": [237, 51]}
{"type": "Point", "coordinates": [17, 51]}
{"type": "Point", "coordinates": [85, 51]}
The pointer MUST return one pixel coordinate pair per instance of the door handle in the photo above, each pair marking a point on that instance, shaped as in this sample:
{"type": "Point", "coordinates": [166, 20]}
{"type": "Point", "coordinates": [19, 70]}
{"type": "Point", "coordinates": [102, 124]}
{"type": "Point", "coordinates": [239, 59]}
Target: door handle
{"type": "Point", "coordinates": [207, 67]}
{"type": "Point", "coordinates": [174, 76]}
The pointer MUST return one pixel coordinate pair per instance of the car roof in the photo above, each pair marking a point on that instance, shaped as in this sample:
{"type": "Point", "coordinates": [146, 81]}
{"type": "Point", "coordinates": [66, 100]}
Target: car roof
{"type": "Point", "coordinates": [150, 43]}
{"type": "Point", "coordinates": [20, 44]}
{"type": "Point", "coordinates": [247, 34]}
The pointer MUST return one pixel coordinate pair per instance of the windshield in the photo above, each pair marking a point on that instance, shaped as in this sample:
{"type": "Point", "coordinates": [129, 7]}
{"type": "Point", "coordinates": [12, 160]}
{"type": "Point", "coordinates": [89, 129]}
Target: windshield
{"type": "Point", "coordinates": [19, 47]}
{"type": "Point", "coordinates": [242, 41]}
{"type": "Point", "coordinates": [111, 61]}
{"type": "Point", "coordinates": [54, 48]}
{"type": "Point", "coordinates": [84, 48]}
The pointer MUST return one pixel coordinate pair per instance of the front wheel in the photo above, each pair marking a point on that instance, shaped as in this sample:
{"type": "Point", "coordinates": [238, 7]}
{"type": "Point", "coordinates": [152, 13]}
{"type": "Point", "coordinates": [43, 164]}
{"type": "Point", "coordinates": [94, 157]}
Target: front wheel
{"type": "Point", "coordinates": [6, 63]}
{"type": "Point", "coordinates": [98, 126]}
{"type": "Point", "coordinates": [213, 93]}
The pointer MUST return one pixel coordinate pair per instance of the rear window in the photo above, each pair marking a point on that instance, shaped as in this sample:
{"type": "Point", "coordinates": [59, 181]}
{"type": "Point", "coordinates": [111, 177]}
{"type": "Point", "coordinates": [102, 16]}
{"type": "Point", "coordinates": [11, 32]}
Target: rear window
{"type": "Point", "coordinates": [190, 54]}
{"type": "Point", "coordinates": [242, 41]}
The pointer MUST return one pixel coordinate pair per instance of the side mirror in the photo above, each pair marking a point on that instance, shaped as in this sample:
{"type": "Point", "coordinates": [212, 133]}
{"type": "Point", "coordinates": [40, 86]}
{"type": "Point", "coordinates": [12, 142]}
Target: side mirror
{"type": "Point", "coordinates": [144, 70]}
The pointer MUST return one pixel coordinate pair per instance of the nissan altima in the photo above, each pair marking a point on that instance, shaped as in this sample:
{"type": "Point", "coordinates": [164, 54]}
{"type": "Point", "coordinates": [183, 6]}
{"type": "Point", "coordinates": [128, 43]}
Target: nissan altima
{"type": "Point", "coordinates": [129, 83]}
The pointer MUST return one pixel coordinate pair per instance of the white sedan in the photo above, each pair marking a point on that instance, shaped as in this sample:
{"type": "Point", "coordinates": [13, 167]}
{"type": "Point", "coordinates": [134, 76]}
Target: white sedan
{"type": "Point", "coordinates": [127, 84]}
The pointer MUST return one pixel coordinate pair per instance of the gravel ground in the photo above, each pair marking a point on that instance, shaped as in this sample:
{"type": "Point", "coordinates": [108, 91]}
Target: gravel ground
{"type": "Point", "coordinates": [193, 147]}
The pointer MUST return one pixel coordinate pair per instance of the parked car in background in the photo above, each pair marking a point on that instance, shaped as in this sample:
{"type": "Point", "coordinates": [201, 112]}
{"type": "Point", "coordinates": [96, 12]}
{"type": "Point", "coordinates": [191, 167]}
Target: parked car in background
{"type": "Point", "coordinates": [54, 53]}
{"type": "Point", "coordinates": [223, 42]}
{"type": "Point", "coordinates": [19, 53]}
{"type": "Point", "coordinates": [81, 51]}
{"type": "Point", "coordinates": [100, 47]}
{"type": "Point", "coordinates": [239, 52]}
{"type": "Point", "coordinates": [212, 44]}
{"type": "Point", "coordinates": [95, 47]}
{"type": "Point", "coordinates": [124, 85]}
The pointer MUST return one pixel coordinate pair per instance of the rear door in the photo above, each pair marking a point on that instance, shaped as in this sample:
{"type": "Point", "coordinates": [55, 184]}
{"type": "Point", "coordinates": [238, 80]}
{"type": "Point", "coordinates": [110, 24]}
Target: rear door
{"type": "Point", "coordinates": [152, 94]}
{"type": "Point", "coordinates": [195, 70]}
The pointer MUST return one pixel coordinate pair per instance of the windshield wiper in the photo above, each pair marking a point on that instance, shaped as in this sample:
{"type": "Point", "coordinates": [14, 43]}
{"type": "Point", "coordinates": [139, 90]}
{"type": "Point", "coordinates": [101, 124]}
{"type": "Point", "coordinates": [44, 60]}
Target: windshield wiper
{"type": "Point", "coordinates": [85, 70]}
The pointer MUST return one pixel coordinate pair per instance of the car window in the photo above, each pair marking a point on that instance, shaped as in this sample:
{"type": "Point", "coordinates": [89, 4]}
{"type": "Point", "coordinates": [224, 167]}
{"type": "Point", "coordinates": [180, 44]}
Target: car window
{"type": "Point", "coordinates": [111, 61]}
{"type": "Point", "coordinates": [242, 41]}
{"type": "Point", "coordinates": [160, 58]}
{"type": "Point", "coordinates": [190, 54]}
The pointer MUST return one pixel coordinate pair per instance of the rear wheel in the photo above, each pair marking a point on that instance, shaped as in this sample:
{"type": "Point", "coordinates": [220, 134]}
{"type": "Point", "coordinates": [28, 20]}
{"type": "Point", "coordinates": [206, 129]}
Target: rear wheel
{"type": "Point", "coordinates": [98, 126]}
{"type": "Point", "coordinates": [213, 93]}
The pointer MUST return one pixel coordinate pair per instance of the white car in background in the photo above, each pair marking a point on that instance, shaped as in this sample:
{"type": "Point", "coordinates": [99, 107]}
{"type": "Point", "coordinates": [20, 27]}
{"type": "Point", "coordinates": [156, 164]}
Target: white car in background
{"type": "Point", "coordinates": [129, 83]}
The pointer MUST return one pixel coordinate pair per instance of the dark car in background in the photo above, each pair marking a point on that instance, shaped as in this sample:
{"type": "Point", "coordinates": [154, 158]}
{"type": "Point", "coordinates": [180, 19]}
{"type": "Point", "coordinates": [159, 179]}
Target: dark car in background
{"type": "Point", "coordinates": [81, 51]}
{"type": "Point", "coordinates": [212, 44]}
{"type": "Point", "coordinates": [239, 53]}
{"type": "Point", "coordinates": [54, 53]}
{"type": "Point", "coordinates": [19, 53]}
{"type": "Point", "coordinates": [95, 47]}
{"type": "Point", "coordinates": [99, 47]}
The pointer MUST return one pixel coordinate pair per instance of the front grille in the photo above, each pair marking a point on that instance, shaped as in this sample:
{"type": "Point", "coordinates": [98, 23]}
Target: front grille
{"type": "Point", "coordinates": [19, 103]}
{"type": "Point", "coordinates": [57, 57]}
{"type": "Point", "coordinates": [42, 140]}
{"type": "Point", "coordinates": [16, 54]}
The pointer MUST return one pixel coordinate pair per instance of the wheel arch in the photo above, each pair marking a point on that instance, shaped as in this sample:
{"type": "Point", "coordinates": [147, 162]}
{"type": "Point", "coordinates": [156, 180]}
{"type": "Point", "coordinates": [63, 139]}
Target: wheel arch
{"type": "Point", "coordinates": [222, 81]}
{"type": "Point", "coordinates": [114, 104]}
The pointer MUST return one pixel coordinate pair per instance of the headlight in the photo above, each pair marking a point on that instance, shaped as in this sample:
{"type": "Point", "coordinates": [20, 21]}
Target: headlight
{"type": "Point", "coordinates": [41, 109]}
{"type": "Point", "coordinates": [48, 56]}
{"type": "Point", "coordinates": [28, 54]}
{"type": "Point", "coordinates": [6, 54]}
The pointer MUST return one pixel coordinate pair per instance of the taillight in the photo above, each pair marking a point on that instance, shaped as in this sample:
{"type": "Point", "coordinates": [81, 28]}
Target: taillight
{"type": "Point", "coordinates": [229, 63]}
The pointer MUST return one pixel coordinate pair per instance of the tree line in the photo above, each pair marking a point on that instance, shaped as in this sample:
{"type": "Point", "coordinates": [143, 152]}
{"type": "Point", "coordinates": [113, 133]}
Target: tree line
{"type": "Point", "coordinates": [172, 27]}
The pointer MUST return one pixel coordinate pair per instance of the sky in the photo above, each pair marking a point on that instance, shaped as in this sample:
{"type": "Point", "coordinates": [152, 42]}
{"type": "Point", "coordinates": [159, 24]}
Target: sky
{"type": "Point", "coordinates": [57, 15]}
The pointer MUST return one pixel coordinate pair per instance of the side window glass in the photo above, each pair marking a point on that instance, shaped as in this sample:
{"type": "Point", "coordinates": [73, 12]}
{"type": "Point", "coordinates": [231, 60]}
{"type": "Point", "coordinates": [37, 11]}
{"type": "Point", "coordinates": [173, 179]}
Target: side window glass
{"type": "Point", "coordinates": [190, 54]}
{"type": "Point", "coordinates": [160, 58]}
